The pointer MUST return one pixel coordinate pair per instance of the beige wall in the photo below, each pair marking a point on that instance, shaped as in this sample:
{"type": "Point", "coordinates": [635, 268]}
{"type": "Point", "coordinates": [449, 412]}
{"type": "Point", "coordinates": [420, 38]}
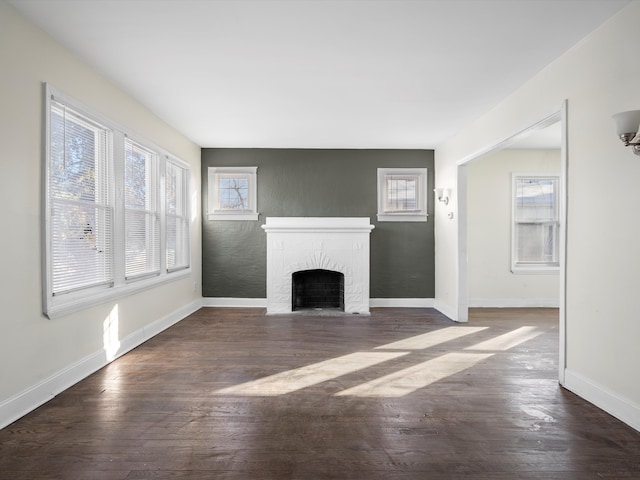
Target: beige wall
{"type": "Point", "coordinates": [598, 78]}
{"type": "Point", "coordinates": [33, 349]}
{"type": "Point", "coordinates": [491, 282]}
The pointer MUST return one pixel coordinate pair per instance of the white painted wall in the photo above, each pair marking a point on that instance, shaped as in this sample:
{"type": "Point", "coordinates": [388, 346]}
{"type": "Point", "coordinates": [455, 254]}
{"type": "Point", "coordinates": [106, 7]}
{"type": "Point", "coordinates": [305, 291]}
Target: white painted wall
{"type": "Point", "coordinates": [491, 282]}
{"type": "Point", "coordinates": [598, 77]}
{"type": "Point", "coordinates": [38, 357]}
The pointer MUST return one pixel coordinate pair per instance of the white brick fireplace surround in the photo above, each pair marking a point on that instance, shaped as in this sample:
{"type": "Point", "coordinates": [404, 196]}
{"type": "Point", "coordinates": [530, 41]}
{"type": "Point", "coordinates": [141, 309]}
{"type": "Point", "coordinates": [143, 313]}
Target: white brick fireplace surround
{"type": "Point", "coordinates": [339, 244]}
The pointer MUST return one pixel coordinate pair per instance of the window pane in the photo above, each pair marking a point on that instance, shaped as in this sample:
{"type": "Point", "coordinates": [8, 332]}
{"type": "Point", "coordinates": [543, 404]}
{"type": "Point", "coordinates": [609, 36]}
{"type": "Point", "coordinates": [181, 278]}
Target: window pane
{"type": "Point", "coordinates": [535, 199]}
{"type": "Point", "coordinates": [81, 248]}
{"type": "Point", "coordinates": [81, 213]}
{"type": "Point", "coordinates": [175, 189]}
{"type": "Point", "coordinates": [536, 243]}
{"type": "Point", "coordinates": [233, 193]}
{"type": "Point", "coordinates": [402, 193]}
{"type": "Point", "coordinates": [177, 243]}
{"type": "Point", "coordinates": [177, 236]}
{"type": "Point", "coordinates": [142, 220]}
{"type": "Point", "coordinates": [142, 243]}
{"type": "Point", "coordinates": [137, 173]}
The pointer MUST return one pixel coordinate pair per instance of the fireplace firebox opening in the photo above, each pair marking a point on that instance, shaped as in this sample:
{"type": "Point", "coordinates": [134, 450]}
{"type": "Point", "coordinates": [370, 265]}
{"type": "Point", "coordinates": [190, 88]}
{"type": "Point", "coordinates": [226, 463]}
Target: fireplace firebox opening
{"type": "Point", "coordinates": [317, 289]}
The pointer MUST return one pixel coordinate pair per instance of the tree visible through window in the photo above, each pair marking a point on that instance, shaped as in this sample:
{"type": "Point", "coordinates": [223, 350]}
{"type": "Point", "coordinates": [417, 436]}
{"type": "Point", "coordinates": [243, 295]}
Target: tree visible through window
{"type": "Point", "coordinates": [105, 210]}
{"type": "Point", "coordinates": [81, 209]}
{"type": "Point", "coordinates": [142, 216]}
{"type": "Point", "coordinates": [232, 193]}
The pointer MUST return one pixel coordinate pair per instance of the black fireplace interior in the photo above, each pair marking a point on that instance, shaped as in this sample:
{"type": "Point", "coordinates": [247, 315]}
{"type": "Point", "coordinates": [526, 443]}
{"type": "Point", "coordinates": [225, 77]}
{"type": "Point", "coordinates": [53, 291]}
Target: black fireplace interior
{"type": "Point", "coordinates": [318, 289]}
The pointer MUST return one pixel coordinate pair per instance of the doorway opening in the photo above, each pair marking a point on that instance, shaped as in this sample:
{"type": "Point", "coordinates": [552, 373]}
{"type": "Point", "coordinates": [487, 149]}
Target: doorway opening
{"type": "Point", "coordinates": [554, 125]}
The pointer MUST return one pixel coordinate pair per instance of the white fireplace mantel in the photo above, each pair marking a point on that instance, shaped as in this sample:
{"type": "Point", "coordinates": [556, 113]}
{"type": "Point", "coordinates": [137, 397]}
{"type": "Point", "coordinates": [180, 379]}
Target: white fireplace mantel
{"type": "Point", "coordinates": [338, 244]}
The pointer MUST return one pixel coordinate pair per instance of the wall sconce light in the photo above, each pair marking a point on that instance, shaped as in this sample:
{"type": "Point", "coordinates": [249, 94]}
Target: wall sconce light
{"type": "Point", "coordinates": [442, 194]}
{"type": "Point", "coordinates": [627, 126]}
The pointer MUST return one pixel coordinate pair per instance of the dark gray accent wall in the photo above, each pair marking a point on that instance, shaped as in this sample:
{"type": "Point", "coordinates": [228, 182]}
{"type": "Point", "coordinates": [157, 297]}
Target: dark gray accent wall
{"type": "Point", "coordinates": [317, 183]}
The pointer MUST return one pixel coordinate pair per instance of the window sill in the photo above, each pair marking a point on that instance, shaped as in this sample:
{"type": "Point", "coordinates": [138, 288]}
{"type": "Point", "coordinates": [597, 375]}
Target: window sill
{"type": "Point", "coordinates": [535, 270]}
{"type": "Point", "coordinates": [402, 217]}
{"type": "Point", "coordinates": [250, 216]}
{"type": "Point", "coordinates": [60, 306]}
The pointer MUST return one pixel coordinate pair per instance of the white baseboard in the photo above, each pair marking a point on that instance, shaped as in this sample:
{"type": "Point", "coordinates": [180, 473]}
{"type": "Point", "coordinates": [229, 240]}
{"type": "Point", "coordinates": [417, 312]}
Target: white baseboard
{"type": "Point", "coordinates": [234, 302]}
{"type": "Point", "coordinates": [623, 409]}
{"type": "Point", "coordinates": [401, 302]}
{"type": "Point", "coordinates": [446, 310]}
{"type": "Point", "coordinates": [262, 302]}
{"type": "Point", "coordinates": [28, 400]}
{"type": "Point", "coordinates": [514, 303]}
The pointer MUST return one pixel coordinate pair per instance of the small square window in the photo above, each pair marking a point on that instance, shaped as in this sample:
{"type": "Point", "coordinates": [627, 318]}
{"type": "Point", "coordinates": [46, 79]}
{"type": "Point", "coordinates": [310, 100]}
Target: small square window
{"type": "Point", "coordinates": [232, 193]}
{"type": "Point", "coordinates": [402, 194]}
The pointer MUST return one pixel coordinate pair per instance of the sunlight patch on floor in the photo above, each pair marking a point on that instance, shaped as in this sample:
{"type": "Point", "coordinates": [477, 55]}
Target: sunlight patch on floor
{"type": "Point", "coordinates": [296, 379]}
{"type": "Point", "coordinates": [507, 340]}
{"type": "Point", "coordinates": [431, 339]}
{"type": "Point", "coordinates": [396, 384]}
{"type": "Point", "coordinates": [408, 380]}
{"type": "Point", "coordinates": [111, 334]}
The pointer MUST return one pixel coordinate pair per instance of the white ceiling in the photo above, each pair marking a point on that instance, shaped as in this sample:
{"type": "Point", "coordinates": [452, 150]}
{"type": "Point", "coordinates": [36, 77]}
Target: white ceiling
{"type": "Point", "coordinates": [314, 73]}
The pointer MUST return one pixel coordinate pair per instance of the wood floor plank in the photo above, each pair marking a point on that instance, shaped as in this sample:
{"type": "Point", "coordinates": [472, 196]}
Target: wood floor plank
{"type": "Point", "coordinates": [235, 394]}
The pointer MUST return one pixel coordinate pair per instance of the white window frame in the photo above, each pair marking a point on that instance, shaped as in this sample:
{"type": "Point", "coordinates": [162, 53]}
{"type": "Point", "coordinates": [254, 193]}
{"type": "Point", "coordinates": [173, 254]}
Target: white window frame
{"type": "Point", "coordinates": [65, 303]}
{"type": "Point", "coordinates": [214, 210]}
{"type": "Point", "coordinates": [87, 238]}
{"type": "Point", "coordinates": [521, 267]}
{"type": "Point", "coordinates": [385, 212]}
{"type": "Point", "coordinates": [182, 250]}
{"type": "Point", "coordinates": [151, 210]}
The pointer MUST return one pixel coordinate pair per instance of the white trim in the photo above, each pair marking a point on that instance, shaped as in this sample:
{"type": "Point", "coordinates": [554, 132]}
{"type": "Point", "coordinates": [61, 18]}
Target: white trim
{"type": "Point", "coordinates": [446, 310]}
{"type": "Point", "coordinates": [249, 216]}
{"type": "Point", "coordinates": [514, 303]}
{"type": "Point", "coordinates": [535, 270]}
{"type": "Point", "coordinates": [213, 200]}
{"type": "Point", "coordinates": [622, 408]}
{"type": "Point", "coordinates": [402, 302]}
{"type": "Point", "coordinates": [462, 303]}
{"type": "Point", "coordinates": [401, 217]}
{"type": "Point", "coordinates": [234, 302]}
{"type": "Point", "coordinates": [317, 224]}
{"type": "Point", "coordinates": [420, 215]}
{"type": "Point", "coordinates": [562, 250]}
{"type": "Point", "coordinates": [36, 395]}
{"type": "Point", "coordinates": [262, 302]}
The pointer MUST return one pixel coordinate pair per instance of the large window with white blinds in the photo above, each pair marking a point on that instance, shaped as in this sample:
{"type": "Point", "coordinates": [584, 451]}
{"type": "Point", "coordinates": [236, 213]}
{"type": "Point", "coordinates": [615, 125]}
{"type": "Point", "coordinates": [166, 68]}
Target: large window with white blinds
{"type": "Point", "coordinates": [177, 202]}
{"type": "Point", "coordinates": [81, 201]}
{"type": "Point", "coordinates": [111, 225]}
{"type": "Point", "coordinates": [142, 215]}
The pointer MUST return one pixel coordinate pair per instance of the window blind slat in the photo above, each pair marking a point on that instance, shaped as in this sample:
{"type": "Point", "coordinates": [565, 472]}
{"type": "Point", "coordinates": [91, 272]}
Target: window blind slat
{"type": "Point", "coordinates": [81, 216]}
{"type": "Point", "coordinates": [142, 218]}
{"type": "Point", "coordinates": [100, 245]}
{"type": "Point", "coordinates": [177, 236]}
{"type": "Point", "coordinates": [81, 247]}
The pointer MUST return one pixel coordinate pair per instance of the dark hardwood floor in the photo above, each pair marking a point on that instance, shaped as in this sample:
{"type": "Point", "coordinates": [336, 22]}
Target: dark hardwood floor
{"type": "Point", "coordinates": [402, 394]}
